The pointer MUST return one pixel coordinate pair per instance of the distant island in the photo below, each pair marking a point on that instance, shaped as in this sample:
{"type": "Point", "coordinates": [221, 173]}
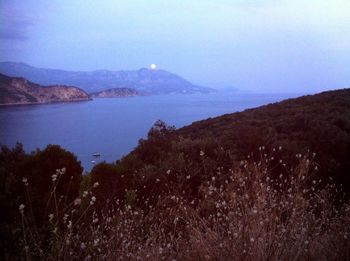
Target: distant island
{"type": "Point", "coordinates": [15, 91]}
{"type": "Point", "coordinates": [145, 81]}
{"type": "Point", "coordinates": [115, 93]}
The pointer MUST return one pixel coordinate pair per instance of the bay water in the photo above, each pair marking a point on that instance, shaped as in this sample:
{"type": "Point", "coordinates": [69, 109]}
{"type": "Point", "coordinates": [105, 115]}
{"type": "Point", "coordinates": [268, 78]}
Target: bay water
{"type": "Point", "coordinates": [113, 126]}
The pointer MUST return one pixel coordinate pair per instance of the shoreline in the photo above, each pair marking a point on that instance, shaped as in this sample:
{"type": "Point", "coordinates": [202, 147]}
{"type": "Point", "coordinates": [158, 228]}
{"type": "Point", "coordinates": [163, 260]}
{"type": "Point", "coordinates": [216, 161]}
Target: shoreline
{"type": "Point", "coordinates": [41, 103]}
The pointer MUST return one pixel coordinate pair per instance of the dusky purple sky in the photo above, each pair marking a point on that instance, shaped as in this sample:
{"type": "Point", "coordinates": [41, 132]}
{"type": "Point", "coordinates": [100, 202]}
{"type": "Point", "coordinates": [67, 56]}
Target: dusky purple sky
{"type": "Point", "coordinates": [268, 46]}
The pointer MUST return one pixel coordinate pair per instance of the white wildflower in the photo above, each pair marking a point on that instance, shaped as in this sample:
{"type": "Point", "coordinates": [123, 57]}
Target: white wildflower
{"type": "Point", "coordinates": [21, 208]}
{"type": "Point", "coordinates": [96, 184]}
{"type": "Point", "coordinates": [54, 177]}
{"type": "Point", "coordinates": [201, 153]}
{"type": "Point", "coordinates": [77, 201]}
{"type": "Point", "coordinates": [93, 199]}
{"type": "Point", "coordinates": [25, 181]}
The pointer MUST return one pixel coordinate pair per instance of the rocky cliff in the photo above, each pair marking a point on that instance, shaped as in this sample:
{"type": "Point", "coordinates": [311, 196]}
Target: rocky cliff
{"type": "Point", "coordinates": [21, 91]}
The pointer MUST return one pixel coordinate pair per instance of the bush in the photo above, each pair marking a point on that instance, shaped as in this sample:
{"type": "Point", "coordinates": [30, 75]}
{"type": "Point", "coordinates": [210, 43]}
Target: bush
{"type": "Point", "coordinates": [242, 213]}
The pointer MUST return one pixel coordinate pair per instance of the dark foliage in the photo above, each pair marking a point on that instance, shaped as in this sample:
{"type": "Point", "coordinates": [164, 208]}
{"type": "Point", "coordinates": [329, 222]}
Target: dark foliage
{"type": "Point", "coordinates": [318, 123]}
{"type": "Point", "coordinates": [112, 182]}
{"type": "Point", "coordinates": [36, 170]}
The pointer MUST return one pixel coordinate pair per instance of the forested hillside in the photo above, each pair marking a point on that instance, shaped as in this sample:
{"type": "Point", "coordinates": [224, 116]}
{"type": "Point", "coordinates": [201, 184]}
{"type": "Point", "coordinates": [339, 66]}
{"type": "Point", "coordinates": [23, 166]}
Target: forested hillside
{"type": "Point", "coordinates": [316, 125]}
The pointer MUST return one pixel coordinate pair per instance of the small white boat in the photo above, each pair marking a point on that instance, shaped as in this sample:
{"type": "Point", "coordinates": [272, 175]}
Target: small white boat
{"type": "Point", "coordinates": [96, 154]}
{"type": "Point", "coordinates": [93, 161]}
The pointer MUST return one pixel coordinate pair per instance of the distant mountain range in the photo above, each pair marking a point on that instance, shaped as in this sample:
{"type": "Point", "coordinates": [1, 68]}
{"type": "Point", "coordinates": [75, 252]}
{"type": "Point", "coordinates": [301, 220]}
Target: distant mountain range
{"type": "Point", "coordinates": [21, 91]}
{"type": "Point", "coordinates": [144, 81]}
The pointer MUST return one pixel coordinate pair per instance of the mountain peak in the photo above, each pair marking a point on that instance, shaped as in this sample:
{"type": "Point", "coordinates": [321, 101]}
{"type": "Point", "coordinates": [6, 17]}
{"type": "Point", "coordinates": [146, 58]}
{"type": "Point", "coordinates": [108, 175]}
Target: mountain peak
{"type": "Point", "coordinates": [144, 80]}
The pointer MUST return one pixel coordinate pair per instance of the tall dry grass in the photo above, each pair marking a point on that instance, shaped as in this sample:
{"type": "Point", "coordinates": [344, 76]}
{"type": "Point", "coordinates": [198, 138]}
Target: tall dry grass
{"type": "Point", "coordinates": [242, 213]}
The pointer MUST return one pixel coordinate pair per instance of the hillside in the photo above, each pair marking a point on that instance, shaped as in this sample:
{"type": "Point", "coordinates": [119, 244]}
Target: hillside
{"type": "Point", "coordinates": [317, 124]}
{"type": "Point", "coordinates": [115, 92]}
{"type": "Point", "coordinates": [145, 81]}
{"type": "Point", "coordinates": [243, 186]}
{"type": "Point", "coordinates": [21, 91]}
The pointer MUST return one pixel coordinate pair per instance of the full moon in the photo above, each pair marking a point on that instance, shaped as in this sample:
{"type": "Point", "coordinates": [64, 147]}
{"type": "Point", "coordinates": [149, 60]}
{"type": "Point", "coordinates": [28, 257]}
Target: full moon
{"type": "Point", "coordinates": [153, 66]}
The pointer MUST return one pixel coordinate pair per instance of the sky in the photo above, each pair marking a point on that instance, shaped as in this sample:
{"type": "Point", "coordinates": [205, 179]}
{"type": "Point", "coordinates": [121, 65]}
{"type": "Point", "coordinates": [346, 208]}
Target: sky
{"type": "Point", "coordinates": [252, 45]}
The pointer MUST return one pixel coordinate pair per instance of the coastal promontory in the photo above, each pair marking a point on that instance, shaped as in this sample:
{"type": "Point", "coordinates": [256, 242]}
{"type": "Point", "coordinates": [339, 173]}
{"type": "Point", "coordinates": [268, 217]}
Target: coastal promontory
{"type": "Point", "coordinates": [15, 90]}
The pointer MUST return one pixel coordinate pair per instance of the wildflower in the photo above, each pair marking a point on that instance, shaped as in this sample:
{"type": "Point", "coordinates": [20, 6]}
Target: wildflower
{"type": "Point", "coordinates": [21, 208]}
{"type": "Point", "coordinates": [280, 148]}
{"type": "Point", "coordinates": [201, 153]}
{"type": "Point", "coordinates": [96, 184]}
{"type": "Point", "coordinates": [54, 177]}
{"type": "Point", "coordinates": [69, 226]}
{"type": "Point", "coordinates": [95, 220]}
{"type": "Point", "coordinates": [85, 193]}
{"type": "Point", "coordinates": [51, 216]}
{"type": "Point", "coordinates": [82, 245]}
{"type": "Point", "coordinates": [93, 199]}
{"type": "Point", "coordinates": [168, 171]}
{"type": "Point", "coordinates": [188, 177]}
{"type": "Point", "coordinates": [25, 181]}
{"type": "Point", "coordinates": [252, 239]}
{"type": "Point", "coordinates": [157, 180]}
{"type": "Point", "coordinates": [77, 201]}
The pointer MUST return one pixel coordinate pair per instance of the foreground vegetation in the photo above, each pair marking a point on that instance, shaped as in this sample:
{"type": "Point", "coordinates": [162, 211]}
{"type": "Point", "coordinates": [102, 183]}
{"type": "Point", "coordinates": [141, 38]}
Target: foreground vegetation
{"type": "Point", "coordinates": [240, 213]}
{"type": "Point", "coordinates": [203, 192]}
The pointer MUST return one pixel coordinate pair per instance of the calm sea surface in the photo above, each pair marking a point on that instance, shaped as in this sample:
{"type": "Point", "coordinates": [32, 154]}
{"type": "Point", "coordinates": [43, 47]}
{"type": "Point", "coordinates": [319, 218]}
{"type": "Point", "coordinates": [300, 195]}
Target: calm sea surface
{"type": "Point", "coordinates": [113, 126]}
